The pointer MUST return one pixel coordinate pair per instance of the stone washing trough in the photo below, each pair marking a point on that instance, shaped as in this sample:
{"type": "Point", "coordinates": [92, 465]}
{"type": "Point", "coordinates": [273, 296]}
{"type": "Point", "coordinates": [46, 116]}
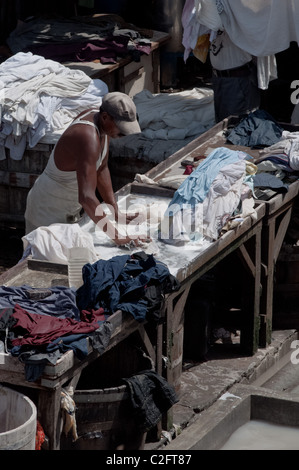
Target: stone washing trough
{"type": "Point", "coordinates": [238, 419]}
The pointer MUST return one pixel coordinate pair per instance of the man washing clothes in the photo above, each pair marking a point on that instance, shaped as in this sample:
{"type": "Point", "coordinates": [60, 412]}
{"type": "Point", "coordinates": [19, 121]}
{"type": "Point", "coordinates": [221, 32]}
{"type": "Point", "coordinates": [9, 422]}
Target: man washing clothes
{"type": "Point", "coordinates": [78, 166]}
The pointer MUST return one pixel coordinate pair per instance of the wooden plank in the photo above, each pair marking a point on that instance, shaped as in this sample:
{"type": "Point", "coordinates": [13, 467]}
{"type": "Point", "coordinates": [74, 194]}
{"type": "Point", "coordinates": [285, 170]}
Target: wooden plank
{"type": "Point", "coordinates": [248, 261]}
{"type": "Point", "coordinates": [148, 345]}
{"type": "Point", "coordinates": [275, 225]}
{"type": "Point", "coordinates": [49, 415]}
{"type": "Point", "coordinates": [33, 160]}
{"type": "Point", "coordinates": [47, 266]}
{"type": "Point", "coordinates": [153, 190]}
{"type": "Point", "coordinates": [278, 203]}
{"type": "Point", "coordinates": [281, 233]}
{"type": "Point", "coordinates": [131, 76]}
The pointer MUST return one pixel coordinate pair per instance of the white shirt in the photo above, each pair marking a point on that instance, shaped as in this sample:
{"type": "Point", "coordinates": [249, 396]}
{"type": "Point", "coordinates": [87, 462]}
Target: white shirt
{"type": "Point", "coordinates": [224, 54]}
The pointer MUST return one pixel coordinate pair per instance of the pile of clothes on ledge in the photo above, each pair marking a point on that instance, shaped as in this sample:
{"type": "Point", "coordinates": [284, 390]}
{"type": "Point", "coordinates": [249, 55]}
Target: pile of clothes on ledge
{"type": "Point", "coordinates": [38, 325]}
{"type": "Point", "coordinates": [103, 38]}
{"type": "Point", "coordinates": [277, 162]}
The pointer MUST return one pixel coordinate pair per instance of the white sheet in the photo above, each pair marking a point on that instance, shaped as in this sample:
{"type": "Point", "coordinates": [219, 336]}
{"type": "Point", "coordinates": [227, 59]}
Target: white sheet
{"type": "Point", "coordinates": [53, 243]}
{"type": "Point", "coordinates": [168, 122]}
{"type": "Point", "coordinates": [261, 27]}
{"type": "Point", "coordinates": [39, 99]}
{"type": "Point", "coordinates": [251, 26]}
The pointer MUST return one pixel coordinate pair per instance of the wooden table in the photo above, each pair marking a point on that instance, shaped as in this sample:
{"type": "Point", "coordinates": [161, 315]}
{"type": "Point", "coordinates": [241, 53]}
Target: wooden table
{"type": "Point", "coordinates": [278, 211]}
{"type": "Point", "coordinates": [245, 240]}
{"type": "Point", "coordinates": [127, 75]}
{"type": "Point", "coordinates": [68, 368]}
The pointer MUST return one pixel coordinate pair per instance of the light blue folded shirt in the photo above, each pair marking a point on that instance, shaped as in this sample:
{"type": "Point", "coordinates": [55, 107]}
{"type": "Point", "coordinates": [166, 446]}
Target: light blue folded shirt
{"type": "Point", "coordinates": [195, 188]}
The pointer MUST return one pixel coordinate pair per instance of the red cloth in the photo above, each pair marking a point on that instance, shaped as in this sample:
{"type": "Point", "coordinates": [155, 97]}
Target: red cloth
{"type": "Point", "coordinates": [43, 329]}
{"type": "Point", "coordinates": [39, 437]}
{"type": "Point", "coordinates": [93, 315]}
{"type": "Point", "coordinates": [189, 169]}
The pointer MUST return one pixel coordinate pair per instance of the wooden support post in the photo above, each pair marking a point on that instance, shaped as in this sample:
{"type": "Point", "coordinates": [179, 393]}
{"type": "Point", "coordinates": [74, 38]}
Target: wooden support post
{"type": "Point", "coordinates": [49, 415]}
{"type": "Point", "coordinates": [274, 231]}
{"type": "Point", "coordinates": [251, 259]}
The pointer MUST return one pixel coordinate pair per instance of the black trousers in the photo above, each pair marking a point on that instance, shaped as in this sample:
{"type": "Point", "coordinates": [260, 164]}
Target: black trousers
{"type": "Point", "coordinates": [235, 95]}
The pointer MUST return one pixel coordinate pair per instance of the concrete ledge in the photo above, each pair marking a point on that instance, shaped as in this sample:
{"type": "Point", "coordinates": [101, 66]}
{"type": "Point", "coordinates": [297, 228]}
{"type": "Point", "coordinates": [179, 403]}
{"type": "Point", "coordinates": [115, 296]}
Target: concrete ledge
{"type": "Point", "coordinates": [203, 385]}
{"type": "Point", "coordinates": [234, 409]}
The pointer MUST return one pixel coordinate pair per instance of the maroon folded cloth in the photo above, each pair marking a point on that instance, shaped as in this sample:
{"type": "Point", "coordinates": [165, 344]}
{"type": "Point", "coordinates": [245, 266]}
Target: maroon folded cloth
{"type": "Point", "coordinates": [106, 50]}
{"type": "Point", "coordinates": [93, 315]}
{"type": "Point", "coordinates": [36, 329]}
{"type": "Point", "coordinates": [188, 170]}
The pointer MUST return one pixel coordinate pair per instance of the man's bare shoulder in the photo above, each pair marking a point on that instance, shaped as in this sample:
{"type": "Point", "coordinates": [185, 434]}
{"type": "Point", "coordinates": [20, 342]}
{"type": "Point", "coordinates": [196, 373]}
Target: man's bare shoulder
{"type": "Point", "coordinates": [77, 147]}
{"type": "Point", "coordinates": [81, 135]}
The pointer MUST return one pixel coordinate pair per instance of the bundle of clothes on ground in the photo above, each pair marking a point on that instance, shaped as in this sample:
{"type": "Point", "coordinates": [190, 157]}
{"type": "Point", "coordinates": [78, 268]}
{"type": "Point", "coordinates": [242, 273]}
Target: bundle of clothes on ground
{"type": "Point", "coordinates": [169, 121]}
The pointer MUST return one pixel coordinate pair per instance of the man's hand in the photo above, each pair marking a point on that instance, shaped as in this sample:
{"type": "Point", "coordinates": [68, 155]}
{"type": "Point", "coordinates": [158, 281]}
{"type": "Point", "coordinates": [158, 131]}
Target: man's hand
{"type": "Point", "coordinates": [132, 218]}
{"type": "Point", "coordinates": [134, 241]}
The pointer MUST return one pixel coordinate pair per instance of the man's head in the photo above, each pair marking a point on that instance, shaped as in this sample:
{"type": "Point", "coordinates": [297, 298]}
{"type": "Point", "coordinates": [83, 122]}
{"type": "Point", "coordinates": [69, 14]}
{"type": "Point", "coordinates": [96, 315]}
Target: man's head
{"type": "Point", "coordinates": [122, 109]}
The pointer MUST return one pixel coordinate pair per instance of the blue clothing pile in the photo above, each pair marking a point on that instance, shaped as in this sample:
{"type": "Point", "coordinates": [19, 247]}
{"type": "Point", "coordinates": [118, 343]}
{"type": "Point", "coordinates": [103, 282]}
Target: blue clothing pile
{"type": "Point", "coordinates": [257, 130]}
{"type": "Point", "coordinates": [134, 284]}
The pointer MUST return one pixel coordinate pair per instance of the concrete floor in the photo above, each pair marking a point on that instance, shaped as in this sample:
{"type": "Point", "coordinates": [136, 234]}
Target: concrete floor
{"type": "Point", "coordinates": [203, 384]}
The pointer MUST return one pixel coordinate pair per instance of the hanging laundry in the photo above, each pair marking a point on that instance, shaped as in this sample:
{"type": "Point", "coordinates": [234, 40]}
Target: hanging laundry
{"type": "Point", "coordinates": [150, 395]}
